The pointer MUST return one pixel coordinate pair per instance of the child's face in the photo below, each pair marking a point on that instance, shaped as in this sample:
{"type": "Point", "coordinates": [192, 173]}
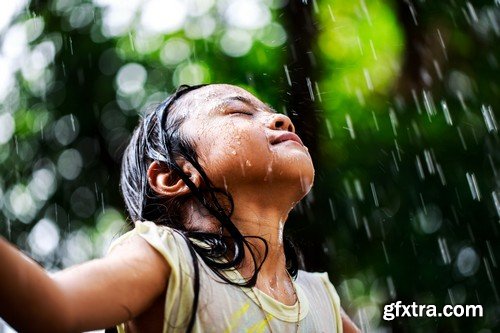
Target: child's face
{"type": "Point", "coordinates": [235, 136]}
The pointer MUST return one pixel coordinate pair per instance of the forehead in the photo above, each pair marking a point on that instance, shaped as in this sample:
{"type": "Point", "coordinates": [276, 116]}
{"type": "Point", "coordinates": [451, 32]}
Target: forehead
{"type": "Point", "coordinates": [206, 100]}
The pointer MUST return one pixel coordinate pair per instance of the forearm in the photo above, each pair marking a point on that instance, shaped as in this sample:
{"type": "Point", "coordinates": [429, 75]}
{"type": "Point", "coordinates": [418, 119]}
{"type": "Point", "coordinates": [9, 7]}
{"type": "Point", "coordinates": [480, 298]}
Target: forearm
{"type": "Point", "coordinates": [29, 299]}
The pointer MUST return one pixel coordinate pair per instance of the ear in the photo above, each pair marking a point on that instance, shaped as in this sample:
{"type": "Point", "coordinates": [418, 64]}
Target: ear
{"type": "Point", "coordinates": [167, 183]}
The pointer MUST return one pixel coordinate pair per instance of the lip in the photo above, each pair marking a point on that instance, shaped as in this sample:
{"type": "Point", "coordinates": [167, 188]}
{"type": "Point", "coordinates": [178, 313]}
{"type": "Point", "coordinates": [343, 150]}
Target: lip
{"type": "Point", "coordinates": [289, 136]}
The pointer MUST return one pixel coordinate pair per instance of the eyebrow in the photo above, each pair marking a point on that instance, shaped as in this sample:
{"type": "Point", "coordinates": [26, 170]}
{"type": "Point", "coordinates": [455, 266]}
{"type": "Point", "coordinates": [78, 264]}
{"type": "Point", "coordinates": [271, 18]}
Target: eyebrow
{"type": "Point", "coordinates": [248, 102]}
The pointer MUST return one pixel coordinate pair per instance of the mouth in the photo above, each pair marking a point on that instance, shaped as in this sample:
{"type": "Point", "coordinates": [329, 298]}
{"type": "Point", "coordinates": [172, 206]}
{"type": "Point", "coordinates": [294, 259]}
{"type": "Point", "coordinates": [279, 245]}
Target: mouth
{"type": "Point", "coordinates": [289, 136]}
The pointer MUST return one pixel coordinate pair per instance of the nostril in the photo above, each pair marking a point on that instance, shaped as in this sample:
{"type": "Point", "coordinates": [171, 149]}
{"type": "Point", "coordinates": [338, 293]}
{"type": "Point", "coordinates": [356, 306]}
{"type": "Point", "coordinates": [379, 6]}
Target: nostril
{"type": "Point", "coordinates": [290, 128]}
{"type": "Point", "coordinates": [279, 124]}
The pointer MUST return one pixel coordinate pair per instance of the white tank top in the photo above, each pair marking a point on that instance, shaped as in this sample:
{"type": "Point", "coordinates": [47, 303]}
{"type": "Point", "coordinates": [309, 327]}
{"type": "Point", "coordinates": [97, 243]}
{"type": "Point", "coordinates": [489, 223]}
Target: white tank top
{"type": "Point", "coordinates": [226, 308]}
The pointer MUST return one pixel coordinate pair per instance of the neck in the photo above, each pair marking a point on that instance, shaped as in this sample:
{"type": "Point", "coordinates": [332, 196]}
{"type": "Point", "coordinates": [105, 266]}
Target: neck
{"type": "Point", "coordinates": [267, 224]}
{"type": "Point", "coordinates": [253, 218]}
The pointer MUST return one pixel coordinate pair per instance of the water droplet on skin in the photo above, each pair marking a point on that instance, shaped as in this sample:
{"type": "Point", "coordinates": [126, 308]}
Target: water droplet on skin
{"type": "Point", "coordinates": [233, 152]}
{"type": "Point", "coordinates": [225, 183]}
{"type": "Point", "coordinates": [248, 164]}
{"type": "Point", "coordinates": [268, 173]}
{"type": "Point", "coordinates": [280, 232]}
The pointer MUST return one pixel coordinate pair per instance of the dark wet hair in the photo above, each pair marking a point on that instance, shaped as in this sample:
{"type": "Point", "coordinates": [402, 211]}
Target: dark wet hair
{"type": "Point", "coordinates": [157, 138]}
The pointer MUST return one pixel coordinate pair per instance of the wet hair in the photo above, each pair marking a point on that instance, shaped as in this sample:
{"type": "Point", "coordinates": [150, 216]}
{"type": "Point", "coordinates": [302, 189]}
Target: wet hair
{"type": "Point", "coordinates": [158, 138]}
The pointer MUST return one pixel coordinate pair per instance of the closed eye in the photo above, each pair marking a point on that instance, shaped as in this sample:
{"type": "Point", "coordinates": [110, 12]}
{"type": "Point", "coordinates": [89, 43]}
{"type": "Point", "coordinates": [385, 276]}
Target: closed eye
{"type": "Point", "coordinates": [242, 112]}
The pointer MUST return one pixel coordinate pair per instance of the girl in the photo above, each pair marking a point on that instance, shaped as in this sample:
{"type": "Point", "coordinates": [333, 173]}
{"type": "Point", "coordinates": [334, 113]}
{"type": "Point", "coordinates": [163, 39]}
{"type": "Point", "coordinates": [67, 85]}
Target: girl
{"type": "Point", "coordinates": [209, 177]}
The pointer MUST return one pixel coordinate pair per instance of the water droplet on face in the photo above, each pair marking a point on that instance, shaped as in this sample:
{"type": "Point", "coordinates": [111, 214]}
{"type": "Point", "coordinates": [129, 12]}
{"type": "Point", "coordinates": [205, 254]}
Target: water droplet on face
{"type": "Point", "coordinates": [248, 164]}
{"type": "Point", "coordinates": [280, 232]}
{"type": "Point", "coordinates": [233, 152]}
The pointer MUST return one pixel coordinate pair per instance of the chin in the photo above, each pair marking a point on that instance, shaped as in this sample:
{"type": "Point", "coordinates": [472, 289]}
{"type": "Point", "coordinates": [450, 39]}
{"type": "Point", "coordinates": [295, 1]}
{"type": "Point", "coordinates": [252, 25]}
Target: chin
{"type": "Point", "coordinates": [299, 176]}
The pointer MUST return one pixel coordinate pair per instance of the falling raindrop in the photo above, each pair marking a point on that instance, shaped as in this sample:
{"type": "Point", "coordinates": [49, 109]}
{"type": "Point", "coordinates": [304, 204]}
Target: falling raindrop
{"type": "Point", "coordinates": [102, 202]}
{"type": "Point", "coordinates": [309, 87]}
{"type": "Point", "coordinates": [359, 190]}
{"type": "Point", "coordinates": [446, 112]}
{"type": "Point", "coordinates": [374, 53]}
{"type": "Point", "coordinates": [16, 143]}
{"type": "Point", "coordinates": [366, 12]}
{"type": "Point", "coordinates": [443, 46]}
{"type": "Point", "coordinates": [397, 149]}
{"type": "Point", "coordinates": [423, 203]}
{"type": "Point", "coordinates": [395, 161]}
{"type": "Point", "coordinates": [490, 252]}
{"type": "Point", "coordinates": [71, 45]}
{"type": "Point", "coordinates": [131, 40]}
{"type": "Point", "coordinates": [472, 12]}
{"type": "Point", "coordinates": [355, 217]}
{"type": "Point", "coordinates": [452, 298]}
{"type": "Point", "coordinates": [368, 79]}
{"type": "Point", "coordinates": [332, 209]}
{"type": "Point", "coordinates": [390, 286]}
{"type": "Point", "coordinates": [394, 121]}
{"type": "Point", "coordinates": [72, 122]}
{"type": "Point", "coordinates": [462, 140]}
{"type": "Point", "coordinates": [490, 277]}
{"type": "Point", "coordinates": [385, 253]}
{"type": "Point", "coordinates": [413, 13]}
{"type": "Point", "coordinates": [350, 128]}
{"type": "Point", "coordinates": [315, 6]}
{"type": "Point", "coordinates": [8, 228]}
{"type": "Point", "coordinates": [413, 246]}
{"type": "Point", "coordinates": [374, 193]}
{"type": "Point", "coordinates": [496, 201]}
{"type": "Point", "coordinates": [360, 45]}
{"type": "Point", "coordinates": [474, 189]}
{"type": "Point", "coordinates": [489, 119]}
{"type": "Point", "coordinates": [330, 10]}
{"type": "Point", "coordinates": [441, 174]}
{"type": "Point", "coordinates": [367, 228]}
{"type": "Point", "coordinates": [429, 162]}
{"type": "Point", "coordinates": [429, 104]}
{"type": "Point", "coordinates": [445, 253]}
{"type": "Point", "coordinates": [492, 165]}
{"type": "Point", "coordinates": [318, 93]}
{"type": "Point", "coordinates": [287, 75]}
{"type": "Point", "coordinates": [438, 70]}
{"type": "Point", "coordinates": [375, 121]}
{"type": "Point", "coordinates": [416, 101]}
{"type": "Point", "coordinates": [420, 169]}
{"type": "Point", "coordinates": [329, 128]}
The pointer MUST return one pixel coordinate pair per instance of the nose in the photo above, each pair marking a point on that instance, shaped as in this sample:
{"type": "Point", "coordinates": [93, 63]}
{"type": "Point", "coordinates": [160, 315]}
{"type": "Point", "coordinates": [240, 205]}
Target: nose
{"type": "Point", "coordinates": [282, 122]}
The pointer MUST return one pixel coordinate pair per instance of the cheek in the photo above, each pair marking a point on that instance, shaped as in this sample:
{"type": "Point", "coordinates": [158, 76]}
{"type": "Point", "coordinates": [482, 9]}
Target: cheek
{"type": "Point", "coordinates": [233, 152]}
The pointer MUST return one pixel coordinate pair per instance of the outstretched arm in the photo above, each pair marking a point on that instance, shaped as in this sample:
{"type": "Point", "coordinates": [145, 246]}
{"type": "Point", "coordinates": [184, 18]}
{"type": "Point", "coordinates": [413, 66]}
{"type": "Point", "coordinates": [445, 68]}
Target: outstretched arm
{"type": "Point", "coordinates": [97, 294]}
{"type": "Point", "coordinates": [347, 324]}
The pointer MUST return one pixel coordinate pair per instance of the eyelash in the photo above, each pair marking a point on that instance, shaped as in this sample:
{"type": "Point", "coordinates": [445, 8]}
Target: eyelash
{"type": "Point", "coordinates": [242, 112]}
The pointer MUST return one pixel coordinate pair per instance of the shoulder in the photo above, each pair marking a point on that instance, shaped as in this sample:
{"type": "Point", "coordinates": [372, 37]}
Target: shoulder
{"type": "Point", "coordinates": [313, 277]}
{"type": "Point", "coordinates": [168, 242]}
{"type": "Point", "coordinates": [319, 288]}
{"type": "Point", "coordinates": [318, 282]}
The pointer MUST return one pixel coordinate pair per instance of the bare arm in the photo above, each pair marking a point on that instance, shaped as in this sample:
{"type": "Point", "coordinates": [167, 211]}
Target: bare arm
{"type": "Point", "coordinates": [97, 294]}
{"type": "Point", "coordinates": [347, 325]}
